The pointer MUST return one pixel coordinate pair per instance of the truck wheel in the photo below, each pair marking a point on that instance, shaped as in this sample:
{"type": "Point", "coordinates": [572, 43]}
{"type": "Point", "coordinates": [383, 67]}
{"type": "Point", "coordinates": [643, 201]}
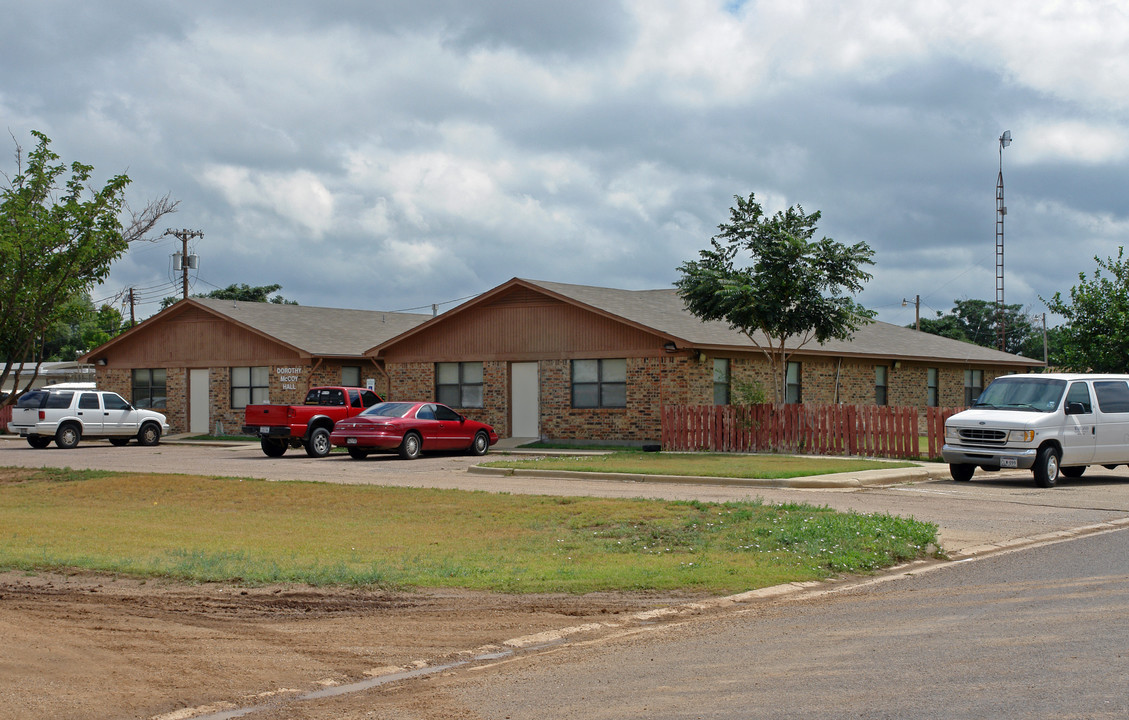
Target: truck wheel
{"type": "Point", "coordinates": [67, 436]}
{"type": "Point", "coordinates": [272, 447]}
{"type": "Point", "coordinates": [38, 441]}
{"type": "Point", "coordinates": [961, 472]}
{"type": "Point", "coordinates": [1046, 467]}
{"type": "Point", "coordinates": [1074, 472]}
{"type": "Point", "coordinates": [481, 444]}
{"type": "Point", "coordinates": [410, 446]}
{"type": "Point", "coordinates": [318, 444]}
{"type": "Point", "coordinates": [150, 435]}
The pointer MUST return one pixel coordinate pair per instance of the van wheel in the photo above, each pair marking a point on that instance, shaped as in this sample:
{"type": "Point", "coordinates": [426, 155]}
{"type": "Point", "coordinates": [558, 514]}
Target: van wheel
{"type": "Point", "coordinates": [68, 436]}
{"type": "Point", "coordinates": [1046, 467]}
{"type": "Point", "coordinates": [38, 441]}
{"type": "Point", "coordinates": [961, 472]}
{"type": "Point", "coordinates": [1074, 472]}
{"type": "Point", "coordinates": [318, 445]}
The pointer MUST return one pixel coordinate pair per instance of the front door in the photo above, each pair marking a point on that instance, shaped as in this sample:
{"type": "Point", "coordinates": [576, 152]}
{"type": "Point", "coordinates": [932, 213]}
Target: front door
{"type": "Point", "coordinates": [525, 404]}
{"type": "Point", "coordinates": [199, 411]}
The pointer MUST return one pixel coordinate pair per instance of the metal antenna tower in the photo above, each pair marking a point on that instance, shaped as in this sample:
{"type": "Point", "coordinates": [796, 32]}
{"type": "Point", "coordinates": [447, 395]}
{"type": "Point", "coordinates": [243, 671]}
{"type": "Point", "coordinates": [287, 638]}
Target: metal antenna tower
{"type": "Point", "coordinates": [1001, 211]}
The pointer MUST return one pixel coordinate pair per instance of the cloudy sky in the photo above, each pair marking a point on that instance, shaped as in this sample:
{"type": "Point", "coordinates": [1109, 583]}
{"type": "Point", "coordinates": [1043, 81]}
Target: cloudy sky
{"type": "Point", "coordinates": [394, 154]}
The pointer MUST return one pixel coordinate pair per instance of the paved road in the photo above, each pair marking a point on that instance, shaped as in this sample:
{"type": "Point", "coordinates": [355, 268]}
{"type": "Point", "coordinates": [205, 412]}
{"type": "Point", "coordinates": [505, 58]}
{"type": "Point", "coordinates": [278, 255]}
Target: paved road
{"type": "Point", "coordinates": [1001, 509]}
{"type": "Point", "coordinates": [1035, 634]}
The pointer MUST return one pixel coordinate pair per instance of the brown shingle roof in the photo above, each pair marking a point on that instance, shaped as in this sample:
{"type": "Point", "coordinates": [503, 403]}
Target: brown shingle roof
{"type": "Point", "coordinates": [663, 311]}
{"type": "Point", "coordinates": [317, 330]}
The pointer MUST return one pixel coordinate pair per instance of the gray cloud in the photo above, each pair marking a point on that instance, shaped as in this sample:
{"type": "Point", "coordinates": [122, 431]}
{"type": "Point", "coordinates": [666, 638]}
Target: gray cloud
{"type": "Point", "coordinates": [398, 154]}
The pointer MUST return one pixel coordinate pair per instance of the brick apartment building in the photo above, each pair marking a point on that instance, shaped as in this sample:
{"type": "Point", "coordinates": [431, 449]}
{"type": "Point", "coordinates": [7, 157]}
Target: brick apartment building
{"type": "Point", "coordinates": [535, 359]}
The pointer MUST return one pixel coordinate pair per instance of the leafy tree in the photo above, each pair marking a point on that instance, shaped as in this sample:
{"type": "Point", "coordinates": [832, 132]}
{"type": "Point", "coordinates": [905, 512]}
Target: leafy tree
{"type": "Point", "coordinates": [1096, 332]}
{"type": "Point", "coordinates": [795, 290]}
{"type": "Point", "coordinates": [58, 237]}
{"type": "Point", "coordinates": [81, 328]}
{"type": "Point", "coordinates": [242, 292]}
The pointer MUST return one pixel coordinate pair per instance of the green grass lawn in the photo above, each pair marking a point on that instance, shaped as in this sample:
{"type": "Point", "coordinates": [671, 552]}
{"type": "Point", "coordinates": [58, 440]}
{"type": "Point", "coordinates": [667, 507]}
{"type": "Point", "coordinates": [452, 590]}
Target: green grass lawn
{"type": "Point", "coordinates": [700, 464]}
{"type": "Point", "coordinates": [196, 528]}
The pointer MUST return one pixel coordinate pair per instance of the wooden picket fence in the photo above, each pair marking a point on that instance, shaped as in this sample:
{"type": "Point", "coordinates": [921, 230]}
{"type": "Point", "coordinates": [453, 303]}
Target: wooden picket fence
{"type": "Point", "coordinates": [860, 430]}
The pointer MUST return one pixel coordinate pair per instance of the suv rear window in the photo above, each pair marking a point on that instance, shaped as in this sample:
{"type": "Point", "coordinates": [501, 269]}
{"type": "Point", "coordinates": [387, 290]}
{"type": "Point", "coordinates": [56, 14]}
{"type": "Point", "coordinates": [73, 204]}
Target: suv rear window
{"type": "Point", "coordinates": [33, 399]}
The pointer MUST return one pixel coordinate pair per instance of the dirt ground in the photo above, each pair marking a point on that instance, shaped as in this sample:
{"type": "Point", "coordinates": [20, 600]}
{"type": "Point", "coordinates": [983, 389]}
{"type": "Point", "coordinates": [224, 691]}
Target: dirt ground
{"type": "Point", "coordinates": [84, 647]}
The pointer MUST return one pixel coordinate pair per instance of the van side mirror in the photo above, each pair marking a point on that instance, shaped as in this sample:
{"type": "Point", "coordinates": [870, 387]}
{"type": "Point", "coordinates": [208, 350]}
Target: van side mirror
{"type": "Point", "coordinates": [1075, 408]}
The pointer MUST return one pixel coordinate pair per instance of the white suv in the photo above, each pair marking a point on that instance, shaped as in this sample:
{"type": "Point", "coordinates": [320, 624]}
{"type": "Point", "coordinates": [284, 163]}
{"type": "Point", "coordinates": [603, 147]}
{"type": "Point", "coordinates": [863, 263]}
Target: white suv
{"type": "Point", "coordinates": [67, 416]}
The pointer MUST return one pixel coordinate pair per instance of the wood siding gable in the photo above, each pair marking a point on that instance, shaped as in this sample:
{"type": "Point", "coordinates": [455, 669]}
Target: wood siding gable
{"type": "Point", "coordinates": [522, 324]}
{"type": "Point", "coordinates": [197, 338]}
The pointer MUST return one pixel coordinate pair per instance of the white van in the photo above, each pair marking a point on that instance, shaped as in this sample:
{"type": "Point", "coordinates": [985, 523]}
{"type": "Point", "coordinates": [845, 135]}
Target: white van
{"type": "Point", "coordinates": [1049, 423]}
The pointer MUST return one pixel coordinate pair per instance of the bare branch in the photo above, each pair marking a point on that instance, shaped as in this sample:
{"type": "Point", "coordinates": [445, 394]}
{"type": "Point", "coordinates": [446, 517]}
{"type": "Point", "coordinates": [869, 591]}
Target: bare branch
{"type": "Point", "coordinates": [142, 223]}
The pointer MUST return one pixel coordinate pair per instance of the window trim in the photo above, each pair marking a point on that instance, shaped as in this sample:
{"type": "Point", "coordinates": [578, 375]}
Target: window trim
{"type": "Point", "coordinates": [932, 387]}
{"type": "Point", "coordinates": [253, 398]}
{"type": "Point", "coordinates": [971, 389]}
{"type": "Point", "coordinates": [149, 389]}
{"type": "Point", "coordinates": [881, 385]}
{"type": "Point", "coordinates": [724, 386]}
{"type": "Point", "coordinates": [798, 386]}
{"type": "Point", "coordinates": [462, 385]}
{"type": "Point", "coordinates": [601, 385]}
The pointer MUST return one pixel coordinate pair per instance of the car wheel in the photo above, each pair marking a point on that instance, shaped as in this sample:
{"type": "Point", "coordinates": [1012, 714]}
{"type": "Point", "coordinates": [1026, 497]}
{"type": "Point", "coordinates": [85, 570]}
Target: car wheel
{"type": "Point", "coordinates": [149, 435]}
{"type": "Point", "coordinates": [1046, 467]}
{"type": "Point", "coordinates": [272, 447]}
{"type": "Point", "coordinates": [38, 441]}
{"type": "Point", "coordinates": [318, 445]}
{"type": "Point", "coordinates": [119, 442]}
{"type": "Point", "coordinates": [358, 453]}
{"type": "Point", "coordinates": [962, 472]}
{"type": "Point", "coordinates": [481, 444]}
{"type": "Point", "coordinates": [410, 447]}
{"type": "Point", "coordinates": [67, 436]}
{"type": "Point", "coordinates": [1074, 472]}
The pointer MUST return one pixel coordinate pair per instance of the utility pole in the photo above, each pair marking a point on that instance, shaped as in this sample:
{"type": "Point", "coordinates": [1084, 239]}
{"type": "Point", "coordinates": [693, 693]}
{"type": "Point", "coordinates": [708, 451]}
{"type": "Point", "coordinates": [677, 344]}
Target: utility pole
{"type": "Point", "coordinates": [184, 236]}
{"type": "Point", "coordinates": [916, 311]}
{"type": "Point", "coordinates": [132, 303]}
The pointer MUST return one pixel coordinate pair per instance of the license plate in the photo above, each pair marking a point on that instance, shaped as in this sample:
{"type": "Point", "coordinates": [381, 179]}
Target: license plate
{"type": "Point", "coordinates": [23, 432]}
{"type": "Point", "coordinates": [350, 441]}
{"type": "Point", "coordinates": [1008, 463]}
{"type": "Point", "coordinates": [264, 430]}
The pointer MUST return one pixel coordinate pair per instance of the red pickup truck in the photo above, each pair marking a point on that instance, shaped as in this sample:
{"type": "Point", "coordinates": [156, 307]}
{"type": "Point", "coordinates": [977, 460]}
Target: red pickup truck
{"type": "Point", "coordinates": [307, 425]}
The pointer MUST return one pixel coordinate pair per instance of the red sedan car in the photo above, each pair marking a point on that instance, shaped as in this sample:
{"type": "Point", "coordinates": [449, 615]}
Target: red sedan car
{"type": "Point", "coordinates": [410, 428]}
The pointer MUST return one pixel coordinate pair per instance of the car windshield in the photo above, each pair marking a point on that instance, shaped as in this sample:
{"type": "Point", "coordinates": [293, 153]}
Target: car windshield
{"type": "Point", "coordinates": [389, 409]}
{"type": "Point", "coordinates": [1032, 394]}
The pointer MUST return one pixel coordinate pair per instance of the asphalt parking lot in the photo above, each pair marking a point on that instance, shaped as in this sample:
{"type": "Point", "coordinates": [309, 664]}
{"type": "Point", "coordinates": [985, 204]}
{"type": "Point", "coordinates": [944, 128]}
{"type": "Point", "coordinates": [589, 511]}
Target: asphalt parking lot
{"type": "Point", "coordinates": [993, 510]}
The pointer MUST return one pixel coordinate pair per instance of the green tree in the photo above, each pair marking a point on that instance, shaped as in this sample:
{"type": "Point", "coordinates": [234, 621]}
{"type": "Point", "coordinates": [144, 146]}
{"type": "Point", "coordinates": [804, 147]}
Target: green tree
{"type": "Point", "coordinates": [80, 328]}
{"type": "Point", "coordinates": [1095, 336]}
{"type": "Point", "coordinates": [796, 290]}
{"type": "Point", "coordinates": [58, 237]}
{"type": "Point", "coordinates": [242, 292]}
{"type": "Point", "coordinates": [976, 321]}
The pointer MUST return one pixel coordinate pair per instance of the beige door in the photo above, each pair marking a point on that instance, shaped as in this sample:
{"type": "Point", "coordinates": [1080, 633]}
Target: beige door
{"type": "Point", "coordinates": [524, 393]}
{"type": "Point", "coordinates": [199, 410]}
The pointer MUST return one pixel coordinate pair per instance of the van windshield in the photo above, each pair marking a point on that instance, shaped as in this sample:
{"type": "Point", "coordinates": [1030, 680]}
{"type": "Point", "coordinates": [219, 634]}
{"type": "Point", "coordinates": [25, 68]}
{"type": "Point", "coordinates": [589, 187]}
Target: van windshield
{"type": "Point", "coordinates": [1031, 394]}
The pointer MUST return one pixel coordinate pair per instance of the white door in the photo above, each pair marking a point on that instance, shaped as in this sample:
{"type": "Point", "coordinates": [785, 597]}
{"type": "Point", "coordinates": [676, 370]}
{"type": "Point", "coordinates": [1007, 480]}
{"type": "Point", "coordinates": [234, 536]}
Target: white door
{"type": "Point", "coordinates": [199, 412]}
{"type": "Point", "coordinates": [526, 408]}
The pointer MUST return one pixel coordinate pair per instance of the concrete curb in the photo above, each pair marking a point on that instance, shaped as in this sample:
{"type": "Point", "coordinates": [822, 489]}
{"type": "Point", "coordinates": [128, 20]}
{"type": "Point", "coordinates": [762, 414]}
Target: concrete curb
{"type": "Point", "coordinates": [866, 478]}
